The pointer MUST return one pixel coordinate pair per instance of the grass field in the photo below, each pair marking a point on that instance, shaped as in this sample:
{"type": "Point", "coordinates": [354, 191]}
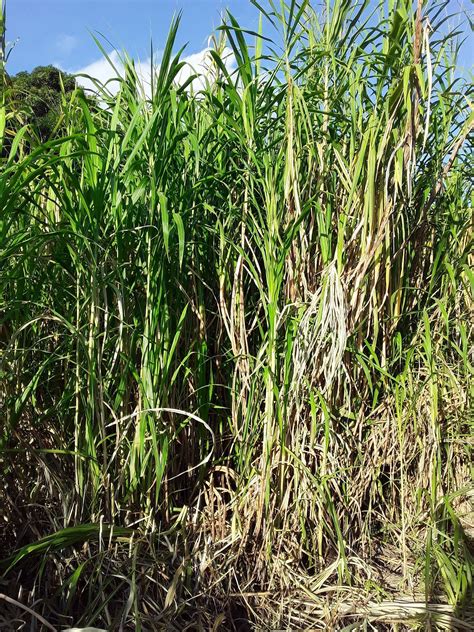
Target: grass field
{"type": "Point", "coordinates": [236, 353]}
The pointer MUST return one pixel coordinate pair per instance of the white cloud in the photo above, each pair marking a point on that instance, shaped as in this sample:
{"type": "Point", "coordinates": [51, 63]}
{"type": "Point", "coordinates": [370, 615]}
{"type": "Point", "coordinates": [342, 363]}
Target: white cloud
{"type": "Point", "coordinates": [65, 44]}
{"type": "Point", "coordinates": [103, 71]}
{"type": "Point", "coordinates": [200, 63]}
{"type": "Point", "coordinates": [203, 65]}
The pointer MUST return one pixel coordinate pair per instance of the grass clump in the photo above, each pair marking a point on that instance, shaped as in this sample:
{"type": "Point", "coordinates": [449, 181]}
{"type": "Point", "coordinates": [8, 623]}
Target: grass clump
{"type": "Point", "coordinates": [236, 339]}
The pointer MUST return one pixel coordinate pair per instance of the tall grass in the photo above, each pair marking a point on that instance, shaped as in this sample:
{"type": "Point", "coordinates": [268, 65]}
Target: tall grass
{"type": "Point", "coordinates": [236, 337]}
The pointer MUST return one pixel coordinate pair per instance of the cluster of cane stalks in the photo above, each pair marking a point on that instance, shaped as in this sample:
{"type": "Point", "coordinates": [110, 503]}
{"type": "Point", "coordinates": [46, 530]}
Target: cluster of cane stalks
{"type": "Point", "coordinates": [236, 334]}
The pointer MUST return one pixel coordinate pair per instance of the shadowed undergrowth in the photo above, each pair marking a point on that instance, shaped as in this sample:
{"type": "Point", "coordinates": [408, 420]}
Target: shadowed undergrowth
{"type": "Point", "coordinates": [236, 336]}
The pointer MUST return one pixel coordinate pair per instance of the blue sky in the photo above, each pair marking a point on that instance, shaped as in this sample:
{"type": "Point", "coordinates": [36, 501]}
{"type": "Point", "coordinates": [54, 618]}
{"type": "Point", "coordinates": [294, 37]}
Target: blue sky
{"type": "Point", "coordinates": [58, 31]}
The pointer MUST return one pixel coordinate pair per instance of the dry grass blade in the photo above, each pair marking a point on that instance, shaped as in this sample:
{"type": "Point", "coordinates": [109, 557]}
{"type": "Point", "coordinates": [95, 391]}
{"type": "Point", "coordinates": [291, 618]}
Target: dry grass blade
{"type": "Point", "coordinates": [22, 606]}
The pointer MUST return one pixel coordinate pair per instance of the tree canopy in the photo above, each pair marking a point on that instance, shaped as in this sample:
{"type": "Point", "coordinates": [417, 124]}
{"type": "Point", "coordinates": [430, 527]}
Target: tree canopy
{"type": "Point", "coordinates": [37, 95]}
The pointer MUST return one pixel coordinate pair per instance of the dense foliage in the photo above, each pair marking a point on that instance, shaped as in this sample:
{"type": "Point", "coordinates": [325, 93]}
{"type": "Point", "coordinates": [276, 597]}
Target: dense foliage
{"type": "Point", "coordinates": [40, 92]}
{"type": "Point", "coordinates": [36, 98]}
{"type": "Point", "coordinates": [236, 340]}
